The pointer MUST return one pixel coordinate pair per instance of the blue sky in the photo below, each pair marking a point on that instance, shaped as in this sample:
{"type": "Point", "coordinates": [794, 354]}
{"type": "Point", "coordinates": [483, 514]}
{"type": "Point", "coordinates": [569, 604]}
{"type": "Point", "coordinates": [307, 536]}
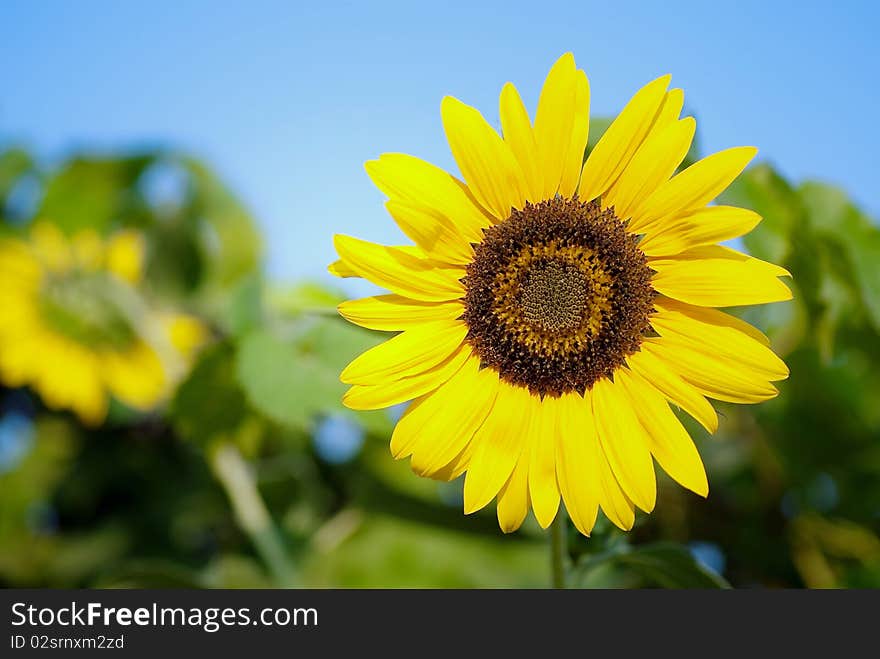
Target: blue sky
{"type": "Point", "coordinates": [287, 101]}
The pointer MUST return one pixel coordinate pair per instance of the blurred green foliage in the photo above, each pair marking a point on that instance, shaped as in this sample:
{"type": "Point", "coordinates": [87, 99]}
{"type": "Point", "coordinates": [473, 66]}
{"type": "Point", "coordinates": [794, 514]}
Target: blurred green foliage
{"type": "Point", "coordinates": [253, 475]}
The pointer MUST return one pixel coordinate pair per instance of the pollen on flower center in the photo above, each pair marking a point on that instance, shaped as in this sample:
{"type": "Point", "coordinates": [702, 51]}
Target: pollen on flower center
{"type": "Point", "coordinates": [554, 296]}
{"type": "Point", "coordinates": [557, 296]}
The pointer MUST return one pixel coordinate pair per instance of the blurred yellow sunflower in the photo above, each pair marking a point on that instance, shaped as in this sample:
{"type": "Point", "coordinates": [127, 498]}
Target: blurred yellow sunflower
{"type": "Point", "coordinates": [75, 328]}
{"type": "Point", "coordinates": [551, 309]}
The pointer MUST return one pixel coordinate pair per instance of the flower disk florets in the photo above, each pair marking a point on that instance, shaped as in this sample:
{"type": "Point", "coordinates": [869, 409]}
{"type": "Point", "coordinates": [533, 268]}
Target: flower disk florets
{"type": "Point", "coordinates": [557, 296]}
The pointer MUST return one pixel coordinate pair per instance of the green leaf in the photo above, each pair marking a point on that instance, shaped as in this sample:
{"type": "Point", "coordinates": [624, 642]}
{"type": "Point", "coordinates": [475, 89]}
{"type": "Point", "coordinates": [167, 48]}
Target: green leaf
{"type": "Point", "coordinates": [92, 192]}
{"type": "Point", "coordinates": [149, 573]}
{"type": "Point", "coordinates": [290, 380]}
{"type": "Point", "coordinates": [283, 382]}
{"type": "Point", "coordinates": [175, 265]}
{"type": "Point", "coordinates": [14, 163]}
{"type": "Point", "coordinates": [839, 222]}
{"type": "Point", "coordinates": [828, 245]}
{"type": "Point", "coordinates": [244, 311]}
{"type": "Point", "coordinates": [209, 403]}
{"type": "Point", "coordinates": [234, 571]}
{"type": "Point", "coordinates": [55, 444]}
{"type": "Point", "coordinates": [378, 551]}
{"type": "Point", "coordinates": [228, 237]}
{"type": "Point", "coordinates": [661, 564]}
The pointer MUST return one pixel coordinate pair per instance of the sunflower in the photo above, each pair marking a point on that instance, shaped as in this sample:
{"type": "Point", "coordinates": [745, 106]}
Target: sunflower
{"type": "Point", "coordinates": [552, 309]}
{"type": "Point", "coordinates": [75, 328]}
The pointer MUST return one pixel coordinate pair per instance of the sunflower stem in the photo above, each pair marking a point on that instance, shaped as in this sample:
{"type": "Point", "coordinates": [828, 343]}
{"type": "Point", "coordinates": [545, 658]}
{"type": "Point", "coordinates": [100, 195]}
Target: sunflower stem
{"type": "Point", "coordinates": [250, 511]}
{"type": "Point", "coordinates": [558, 549]}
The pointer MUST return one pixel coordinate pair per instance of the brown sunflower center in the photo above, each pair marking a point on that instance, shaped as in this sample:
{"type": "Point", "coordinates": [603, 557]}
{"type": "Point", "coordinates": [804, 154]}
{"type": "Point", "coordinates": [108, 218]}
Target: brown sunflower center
{"type": "Point", "coordinates": [554, 296]}
{"type": "Point", "coordinates": [557, 296]}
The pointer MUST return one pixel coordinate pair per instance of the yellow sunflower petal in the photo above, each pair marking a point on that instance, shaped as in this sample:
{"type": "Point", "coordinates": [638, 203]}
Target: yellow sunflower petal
{"type": "Point", "coordinates": [676, 390]}
{"type": "Point", "coordinates": [90, 403]}
{"type": "Point", "coordinates": [713, 316]}
{"type": "Point", "coordinates": [431, 231]}
{"type": "Point", "coordinates": [87, 249]}
{"type": "Point", "coordinates": [339, 269]}
{"type": "Point", "coordinates": [83, 389]}
{"type": "Point", "coordinates": [57, 354]}
{"type": "Point", "coordinates": [485, 160]}
{"type": "Point", "coordinates": [622, 139]}
{"type": "Point", "coordinates": [519, 136]}
{"type": "Point", "coordinates": [51, 246]}
{"type": "Point", "coordinates": [692, 189]}
{"type": "Point", "coordinates": [669, 442]}
{"type": "Point", "coordinates": [543, 487]}
{"type": "Point", "coordinates": [513, 499]}
{"type": "Point", "coordinates": [614, 503]}
{"type": "Point", "coordinates": [438, 426]}
{"type": "Point", "coordinates": [700, 333]}
{"type": "Point", "coordinates": [409, 353]}
{"type": "Point", "coordinates": [574, 159]}
{"type": "Point", "coordinates": [498, 444]}
{"type": "Point", "coordinates": [577, 456]}
{"type": "Point", "coordinates": [42, 370]}
{"type": "Point", "coordinates": [186, 333]}
{"type": "Point", "coordinates": [715, 276]}
{"type": "Point", "coordinates": [124, 255]}
{"type": "Point", "coordinates": [18, 267]}
{"type": "Point", "coordinates": [712, 224]}
{"type": "Point", "coordinates": [399, 271]}
{"type": "Point", "coordinates": [392, 313]}
{"type": "Point", "coordinates": [721, 379]}
{"type": "Point", "coordinates": [554, 122]}
{"type": "Point", "coordinates": [23, 345]}
{"type": "Point", "coordinates": [406, 178]}
{"type": "Point", "coordinates": [378, 396]}
{"type": "Point", "coordinates": [457, 466]}
{"type": "Point", "coordinates": [652, 165]}
{"type": "Point", "coordinates": [135, 377]}
{"type": "Point", "coordinates": [722, 252]}
{"type": "Point", "coordinates": [670, 110]}
{"type": "Point", "coordinates": [14, 365]}
{"type": "Point", "coordinates": [21, 317]}
{"type": "Point", "coordinates": [624, 443]}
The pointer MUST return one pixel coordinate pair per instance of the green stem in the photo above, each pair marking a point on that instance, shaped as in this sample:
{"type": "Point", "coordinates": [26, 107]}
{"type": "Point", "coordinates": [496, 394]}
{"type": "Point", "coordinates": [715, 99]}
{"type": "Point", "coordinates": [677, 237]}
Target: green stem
{"type": "Point", "coordinates": [558, 550]}
{"type": "Point", "coordinates": [235, 476]}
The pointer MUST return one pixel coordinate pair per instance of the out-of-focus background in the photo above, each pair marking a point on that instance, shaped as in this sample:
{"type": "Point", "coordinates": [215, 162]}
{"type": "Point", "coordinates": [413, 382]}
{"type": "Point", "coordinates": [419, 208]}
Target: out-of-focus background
{"type": "Point", "coordinates": [176, 172]}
